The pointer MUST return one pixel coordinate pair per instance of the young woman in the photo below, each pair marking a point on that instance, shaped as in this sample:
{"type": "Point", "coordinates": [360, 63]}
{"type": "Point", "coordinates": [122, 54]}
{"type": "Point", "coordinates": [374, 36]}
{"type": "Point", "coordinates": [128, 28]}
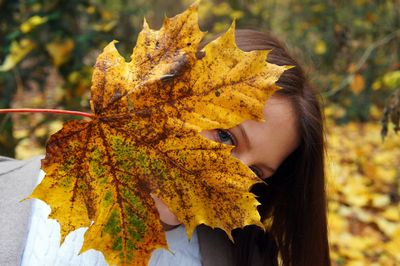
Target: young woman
{"type": "Point", "coordinates": [286, 151]}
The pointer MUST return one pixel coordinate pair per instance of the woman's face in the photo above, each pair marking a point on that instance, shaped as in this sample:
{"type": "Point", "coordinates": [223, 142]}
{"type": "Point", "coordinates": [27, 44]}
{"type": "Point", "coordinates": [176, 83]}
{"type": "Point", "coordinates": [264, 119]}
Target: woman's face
{"type": "Point", "coordinates": [262, 146]}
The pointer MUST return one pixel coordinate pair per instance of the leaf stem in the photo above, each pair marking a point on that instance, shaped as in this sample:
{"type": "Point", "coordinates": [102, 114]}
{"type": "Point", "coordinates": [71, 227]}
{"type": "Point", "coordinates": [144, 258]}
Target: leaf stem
{"type": "Point", "coordinates": [52, 111]}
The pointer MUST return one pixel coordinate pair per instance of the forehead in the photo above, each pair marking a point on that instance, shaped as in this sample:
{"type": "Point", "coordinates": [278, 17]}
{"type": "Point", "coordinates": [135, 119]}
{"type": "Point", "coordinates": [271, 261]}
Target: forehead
{"type": "Point", "coordinates": [273, 140]}
{"type": "Point", "coordinates": [279, 111]}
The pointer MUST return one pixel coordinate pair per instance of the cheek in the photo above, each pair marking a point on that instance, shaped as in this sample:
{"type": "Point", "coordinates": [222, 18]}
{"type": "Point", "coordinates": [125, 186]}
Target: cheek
{"type": "Point", "coordinates": [208, 134]}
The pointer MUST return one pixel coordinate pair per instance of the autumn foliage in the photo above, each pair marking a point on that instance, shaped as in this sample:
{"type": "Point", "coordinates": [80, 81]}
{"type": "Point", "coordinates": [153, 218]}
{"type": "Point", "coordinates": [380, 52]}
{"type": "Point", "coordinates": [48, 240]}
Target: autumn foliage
{"type": "Point", "coordinates": [363, 192]}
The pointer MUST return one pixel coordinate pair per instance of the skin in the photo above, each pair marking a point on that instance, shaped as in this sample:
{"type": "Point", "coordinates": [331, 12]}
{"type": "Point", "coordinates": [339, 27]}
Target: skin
{"type": "Point", "coordinates": [262, 146]}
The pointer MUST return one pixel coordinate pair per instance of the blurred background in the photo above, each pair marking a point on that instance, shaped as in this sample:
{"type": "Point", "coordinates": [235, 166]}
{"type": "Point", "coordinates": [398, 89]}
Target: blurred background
{"type": "Point", "coordinates": [351, 50]}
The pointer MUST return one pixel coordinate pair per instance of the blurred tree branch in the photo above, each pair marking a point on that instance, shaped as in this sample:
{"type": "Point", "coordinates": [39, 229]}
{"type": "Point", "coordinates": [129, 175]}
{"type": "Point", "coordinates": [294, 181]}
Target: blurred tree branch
{"type": "Point", "coordinates": [391, 113]}
{"type": "Point", "coordinates": [367, 53]}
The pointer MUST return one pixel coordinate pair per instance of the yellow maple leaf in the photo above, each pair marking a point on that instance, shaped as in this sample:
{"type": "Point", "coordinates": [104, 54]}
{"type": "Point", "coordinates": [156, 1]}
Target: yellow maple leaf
{"type": "Point", "coordinates": [60, 51]}
{"type": "Point", "coordinates": [357, 84]}
{"type": "Point", "coordinates": [18, 51]}
{"type": "Point", "coordinates": [145, 139]}
{"type": "Point", "coordinates": [32, 23]}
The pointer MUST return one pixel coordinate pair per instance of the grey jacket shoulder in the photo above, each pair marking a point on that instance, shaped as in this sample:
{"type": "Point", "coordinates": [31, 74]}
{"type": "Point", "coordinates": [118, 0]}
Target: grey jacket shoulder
{"type": "Point", "coordinates": [215, 247]}
{"type": "Point", "coordinates": [17, 180]}
{"type": "Point", "coordinates": [218, 250]}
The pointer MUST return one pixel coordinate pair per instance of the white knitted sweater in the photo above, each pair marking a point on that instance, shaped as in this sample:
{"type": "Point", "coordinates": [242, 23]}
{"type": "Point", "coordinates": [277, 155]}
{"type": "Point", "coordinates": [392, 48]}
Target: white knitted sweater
{"type": "Point", "coordinates": [42, 246]}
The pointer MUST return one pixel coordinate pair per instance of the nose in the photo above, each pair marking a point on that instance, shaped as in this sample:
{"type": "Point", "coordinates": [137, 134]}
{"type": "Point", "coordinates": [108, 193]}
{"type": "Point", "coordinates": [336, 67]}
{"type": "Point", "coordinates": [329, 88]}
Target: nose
{"type": "Point", "coordinates": [243, 157]}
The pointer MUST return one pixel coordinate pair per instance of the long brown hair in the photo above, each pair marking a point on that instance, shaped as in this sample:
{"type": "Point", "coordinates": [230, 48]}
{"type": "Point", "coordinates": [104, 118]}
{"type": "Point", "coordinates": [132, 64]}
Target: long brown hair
{"type": "Point", "coordinates": [295, 195]}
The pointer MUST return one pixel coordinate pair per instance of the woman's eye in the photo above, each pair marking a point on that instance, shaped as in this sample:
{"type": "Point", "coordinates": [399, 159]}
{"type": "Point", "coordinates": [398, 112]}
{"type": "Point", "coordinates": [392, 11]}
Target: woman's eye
{"type": "Point", "coordinates": [225, 137]}
{"type": "Point", "coordinates": [257, 171]}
